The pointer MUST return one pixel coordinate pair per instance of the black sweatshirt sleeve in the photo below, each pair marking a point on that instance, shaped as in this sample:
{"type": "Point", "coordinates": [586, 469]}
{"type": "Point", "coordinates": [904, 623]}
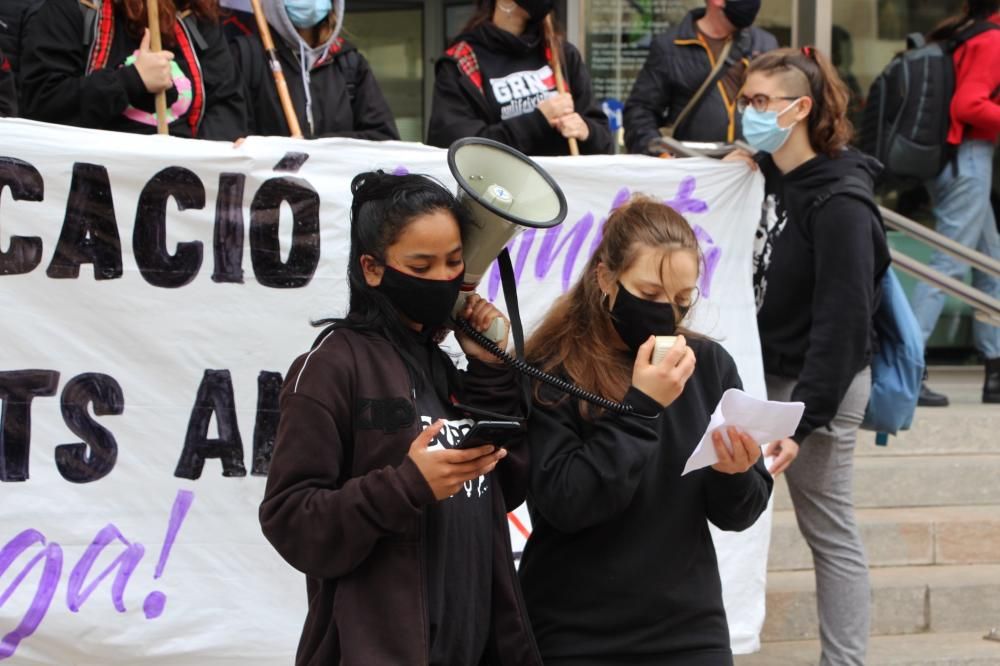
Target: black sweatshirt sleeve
{"type": "Point", "coordinates": [322, 527]}
{"type": "Point", "coordinates": [649, 100]}
{"type": "Point", "coordinates": [498, 388]}
{"type": "Point", "coordinates": [8, 93]}
{"type": "Point", "coordinates": [579, 481]}
{"type": "Point", "coordinates": [225, 107]}
{"type": "Point", "coordinates": [841, 309]}
{"type": "Point", "coordinates": [599, 141]}
{"type": "Point", "coordinates": [455, 114]}
{"type": "Point", "coordinates": [55, 87]}
{"type": "Point", "coordinates": [373, 118]}
{"type": "Point", "coordinates": [733, 502]}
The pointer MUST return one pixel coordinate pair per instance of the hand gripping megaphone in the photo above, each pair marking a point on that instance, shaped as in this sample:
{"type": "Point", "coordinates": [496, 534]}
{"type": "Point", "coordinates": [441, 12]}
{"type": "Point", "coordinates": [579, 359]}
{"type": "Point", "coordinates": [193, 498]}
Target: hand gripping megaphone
{"type": "Point", "coordinates": [504, 192]}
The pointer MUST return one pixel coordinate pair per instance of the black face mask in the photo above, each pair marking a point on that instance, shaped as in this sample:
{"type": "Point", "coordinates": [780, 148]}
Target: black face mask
{"type": "Point", "coordinates": [537, 9]}
{"type": "Point", "coordinates": [741, 13]}
{"type": "Point", "coordinates": [427, 302]}
{"type": "Point", "coordinates": [636, 319]}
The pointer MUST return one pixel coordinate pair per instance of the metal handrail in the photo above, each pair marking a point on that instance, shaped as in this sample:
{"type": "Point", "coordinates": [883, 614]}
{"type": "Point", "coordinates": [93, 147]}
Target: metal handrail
{"type": "Point", "coordinates": [914, 229]}
{"type": "Point", "coordinates": [986, 307]}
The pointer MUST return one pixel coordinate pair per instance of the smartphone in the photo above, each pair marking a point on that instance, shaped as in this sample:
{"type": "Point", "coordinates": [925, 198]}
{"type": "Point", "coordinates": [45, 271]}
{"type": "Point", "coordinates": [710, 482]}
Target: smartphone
{"type": "Point", "coordinates": [497, 433]}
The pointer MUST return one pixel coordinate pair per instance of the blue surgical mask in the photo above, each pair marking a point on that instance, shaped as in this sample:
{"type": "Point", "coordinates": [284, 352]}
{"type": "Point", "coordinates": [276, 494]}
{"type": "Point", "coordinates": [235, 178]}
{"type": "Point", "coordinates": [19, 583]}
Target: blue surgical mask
{"type": "Point", "coordinates": [307, 13]}
{"type": "Point", "coordinates": [762, 131]}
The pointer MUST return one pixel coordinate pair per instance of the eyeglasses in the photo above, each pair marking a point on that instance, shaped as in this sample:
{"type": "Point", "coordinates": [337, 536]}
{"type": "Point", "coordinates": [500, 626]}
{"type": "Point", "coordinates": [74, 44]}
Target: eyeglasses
{"type": "Point", "coordinates": [758, 102]}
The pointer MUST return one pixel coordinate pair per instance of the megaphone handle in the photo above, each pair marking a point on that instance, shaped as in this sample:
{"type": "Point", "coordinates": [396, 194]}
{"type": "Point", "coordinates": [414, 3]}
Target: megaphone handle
{"type": "Point", "coordinates": [497, 330]}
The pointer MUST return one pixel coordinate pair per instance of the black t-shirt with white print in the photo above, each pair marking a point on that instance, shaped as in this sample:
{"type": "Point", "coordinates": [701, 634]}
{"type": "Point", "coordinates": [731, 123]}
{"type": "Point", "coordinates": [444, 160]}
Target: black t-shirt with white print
{"type": "Point", "coordinates": [458, 534]}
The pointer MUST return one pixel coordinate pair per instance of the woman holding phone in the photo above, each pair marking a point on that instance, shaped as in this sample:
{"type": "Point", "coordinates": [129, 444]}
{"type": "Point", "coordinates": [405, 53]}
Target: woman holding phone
{"type": "Point", "coordinates": [402, 534]}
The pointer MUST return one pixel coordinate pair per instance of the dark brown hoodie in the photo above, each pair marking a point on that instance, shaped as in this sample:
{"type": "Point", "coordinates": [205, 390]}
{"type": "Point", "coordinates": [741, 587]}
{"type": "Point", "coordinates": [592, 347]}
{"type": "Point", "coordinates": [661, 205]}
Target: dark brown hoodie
{"type": "Point", "coordinates": [346, 505]}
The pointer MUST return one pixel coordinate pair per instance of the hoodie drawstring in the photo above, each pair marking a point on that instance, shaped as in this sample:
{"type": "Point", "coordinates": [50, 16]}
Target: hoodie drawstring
{"type": "Point", "coordinates": [307, 87]}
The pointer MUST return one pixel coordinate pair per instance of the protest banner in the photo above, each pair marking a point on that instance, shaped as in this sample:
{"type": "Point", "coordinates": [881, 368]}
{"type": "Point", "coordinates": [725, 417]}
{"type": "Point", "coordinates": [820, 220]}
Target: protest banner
{"type": "Point", "coordinates": [154, 291]}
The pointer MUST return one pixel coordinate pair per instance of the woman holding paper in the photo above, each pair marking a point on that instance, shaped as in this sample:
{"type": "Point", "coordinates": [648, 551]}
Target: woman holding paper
{"type": "Point", "coordinates": [819, 262]}
{"type": "Point", "coordinates": [620, 567]}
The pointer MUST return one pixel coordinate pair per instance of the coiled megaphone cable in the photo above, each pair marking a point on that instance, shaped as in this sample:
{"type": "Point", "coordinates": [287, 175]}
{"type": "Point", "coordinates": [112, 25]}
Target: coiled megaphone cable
{"type": "Point", "coordinates": [544, 377]}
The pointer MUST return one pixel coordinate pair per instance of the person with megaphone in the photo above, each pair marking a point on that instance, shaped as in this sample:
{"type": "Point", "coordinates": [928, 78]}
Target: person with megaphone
{"type": "Point", "coordinates": [620, 567]}
{"type": "Point", "coordinates": [332, 90]}
{"type": "Point", "coordinates": [500, 79]}
{"type": "Point", "coordinates": [91, 63]}
{"type": "Point", "coordinates": [399, 525]}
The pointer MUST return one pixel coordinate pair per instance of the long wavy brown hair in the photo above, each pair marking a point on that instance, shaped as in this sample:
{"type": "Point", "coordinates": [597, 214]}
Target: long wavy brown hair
{"type": "Point", "coordinates": [577, 338]}
{"type": "Point", "coordinates": [138, 19]}
{"type": "Point", "coordinates": [813, 74]}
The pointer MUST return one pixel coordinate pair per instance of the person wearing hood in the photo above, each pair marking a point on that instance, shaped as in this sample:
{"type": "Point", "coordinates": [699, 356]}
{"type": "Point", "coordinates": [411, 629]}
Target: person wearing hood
{"type": "Point", "coordinates": [107, 76]}
{"type": "Point", "coordinates": [495, 81]}
{"type": "Point", "coordinates": [819, 258]}
{"type": "Point", "coordinates": [680, 61]}
{"type": "Point", "coordinates": [333, 90]}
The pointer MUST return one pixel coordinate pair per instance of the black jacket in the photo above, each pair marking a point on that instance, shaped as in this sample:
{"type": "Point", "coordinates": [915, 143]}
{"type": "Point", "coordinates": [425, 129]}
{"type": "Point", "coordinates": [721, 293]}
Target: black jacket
{"type": "Point", "coordinates": [482, 62]}
{"type": "Point", "coordinates": [8, 93]}
{"type": "Point", "coordinates": [11, 16]}
{"type": "Point", "coordinates": [819, 268]}
{"type": "Point", "coordinates": [620, 567]}
{"type": "Point", "coordinates": [346, 505]}
{"type": "Point", "coordinates": [677, 64]}
{"type": "Point", "coordinates": [346, 99]}
{"type": "Point", "coordinates": [56, 87]}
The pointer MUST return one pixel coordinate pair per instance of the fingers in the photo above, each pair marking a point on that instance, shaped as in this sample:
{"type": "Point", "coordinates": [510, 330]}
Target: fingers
{"type": "Point", "coordinates": [675, 354]}
{"type": "Point", "coordinates": [427, 435]}
{"type": "Point", "coordinates": [721, 450]}
{"type": "Point", "coordinates": [780, 464]}
{"type": "Point", "coordinates": [144, 44]}
{"type": "Point", "coordinates": [644, 356]}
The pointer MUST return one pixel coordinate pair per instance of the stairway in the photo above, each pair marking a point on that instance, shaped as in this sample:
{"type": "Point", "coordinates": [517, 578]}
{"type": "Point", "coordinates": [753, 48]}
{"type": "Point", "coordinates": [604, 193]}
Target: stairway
{"type": "Point", "coordinates": [929, 509]}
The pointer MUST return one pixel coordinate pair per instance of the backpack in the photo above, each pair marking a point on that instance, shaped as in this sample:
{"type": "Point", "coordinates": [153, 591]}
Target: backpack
{"type": "Point", "coordinates": [898, 362]}
{"type": "Point", "coordinates": [908, 112]}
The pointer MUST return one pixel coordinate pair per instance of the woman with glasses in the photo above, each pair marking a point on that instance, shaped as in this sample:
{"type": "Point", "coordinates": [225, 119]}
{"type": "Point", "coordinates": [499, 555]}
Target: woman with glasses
{"type": "Point", "coordinates": [819, 259]}
{"type": "Point", "coordinates": [620, 567]}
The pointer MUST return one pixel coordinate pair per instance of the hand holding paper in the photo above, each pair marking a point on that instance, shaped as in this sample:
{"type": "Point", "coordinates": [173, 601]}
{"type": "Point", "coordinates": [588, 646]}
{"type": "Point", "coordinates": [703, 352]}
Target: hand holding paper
{"type": "Point", "coordinates": [764, 420]}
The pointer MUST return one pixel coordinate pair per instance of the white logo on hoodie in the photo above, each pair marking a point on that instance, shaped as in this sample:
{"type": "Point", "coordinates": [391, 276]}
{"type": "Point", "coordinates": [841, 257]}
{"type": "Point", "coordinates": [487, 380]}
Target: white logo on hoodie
{"type": "Point", "coordinates": [519, 93]}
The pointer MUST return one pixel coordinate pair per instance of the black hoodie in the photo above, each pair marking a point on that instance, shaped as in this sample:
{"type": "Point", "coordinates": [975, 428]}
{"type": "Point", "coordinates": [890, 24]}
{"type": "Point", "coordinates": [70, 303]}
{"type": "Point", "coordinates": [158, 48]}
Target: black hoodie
{"type": "Point", "coordinates": [818, 267]}
{"type": "Point", "coordinates": [494, 92]}
{"type": "Point", "coordinates": [8, 93]}
{"type": "Point", "coordinates": [620, 567]}
{"type": "Point", "coordinates": [56, 87]}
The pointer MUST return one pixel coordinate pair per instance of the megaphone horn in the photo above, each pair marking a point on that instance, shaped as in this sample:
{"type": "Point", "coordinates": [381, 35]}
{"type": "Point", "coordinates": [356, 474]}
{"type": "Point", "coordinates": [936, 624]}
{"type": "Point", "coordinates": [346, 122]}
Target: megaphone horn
{"type": "Point", "coordinates": [504, 192]}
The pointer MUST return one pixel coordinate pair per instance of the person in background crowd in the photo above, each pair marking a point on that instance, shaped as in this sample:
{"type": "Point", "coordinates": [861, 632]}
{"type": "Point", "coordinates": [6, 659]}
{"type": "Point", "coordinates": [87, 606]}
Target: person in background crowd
{"type": "Point", "coordinates": [495, 82]}
{"type": "Point", "coordinates": [402, 535]}
{"type": "Point", "coordinates": [819, 260]}
{"type": "Point", "coordinates": [620, 567]}
{"type": "Point", "coordinates": [961, 192]}
{"type": "Point", "coordinates": [333, 89]}
{"type": "Point", "coordinates": [11, 16]}
{"type": "Point", "coordinates": [8, 92]}
{"type": "Point", "coordinates": [108, 79]}
{"type": "Point", "coordinates": [679, 63]}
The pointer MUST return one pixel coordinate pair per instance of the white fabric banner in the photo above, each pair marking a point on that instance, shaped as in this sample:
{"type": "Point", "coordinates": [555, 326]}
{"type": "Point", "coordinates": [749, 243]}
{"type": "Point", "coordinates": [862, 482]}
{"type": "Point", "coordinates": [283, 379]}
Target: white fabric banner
{"type": "Point", "coordinates": [154, 291]}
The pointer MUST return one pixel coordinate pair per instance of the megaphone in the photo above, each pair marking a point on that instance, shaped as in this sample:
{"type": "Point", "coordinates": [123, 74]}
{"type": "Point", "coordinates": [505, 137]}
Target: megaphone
{"type": "Point", "coordinates": [505, 192]}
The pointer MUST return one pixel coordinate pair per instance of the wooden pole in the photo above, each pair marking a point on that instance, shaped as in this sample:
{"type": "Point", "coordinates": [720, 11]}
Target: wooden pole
{"type": "Point", "coordinates": [279, 76]}
{"type": "Point", "coordinates": [555, 62]}
{"type": "Point", "coordinates": [156, 44]}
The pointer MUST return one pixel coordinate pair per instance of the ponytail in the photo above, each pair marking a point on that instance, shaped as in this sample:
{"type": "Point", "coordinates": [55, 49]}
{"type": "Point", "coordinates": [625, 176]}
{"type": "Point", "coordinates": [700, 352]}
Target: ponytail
{"type": "Point", "coordinates": [829, 129]}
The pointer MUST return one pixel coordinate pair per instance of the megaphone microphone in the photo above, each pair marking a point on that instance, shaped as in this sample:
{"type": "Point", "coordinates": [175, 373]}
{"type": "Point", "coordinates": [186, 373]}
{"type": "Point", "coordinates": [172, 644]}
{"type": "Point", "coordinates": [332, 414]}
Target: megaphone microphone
{"type": "Point", "coordinates": [504, 192]}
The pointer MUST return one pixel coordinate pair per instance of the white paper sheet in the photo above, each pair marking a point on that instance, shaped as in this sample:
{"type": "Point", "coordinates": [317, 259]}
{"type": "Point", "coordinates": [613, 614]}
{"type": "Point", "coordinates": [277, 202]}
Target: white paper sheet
{"type": "Point", "coordinates": [764, 420]}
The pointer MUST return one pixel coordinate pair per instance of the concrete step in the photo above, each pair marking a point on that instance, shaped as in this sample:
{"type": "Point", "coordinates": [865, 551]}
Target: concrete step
{"type": "Point", "coordinates": [949, 649]}
{"type": "Point", "coordinates": [905, 600]}
{"type": "Point", "coordinates": [912, 481]}
{"type": "Point", "coordinates": [902, 537]}
{"type": "Point", "coordinates": [966, 426]}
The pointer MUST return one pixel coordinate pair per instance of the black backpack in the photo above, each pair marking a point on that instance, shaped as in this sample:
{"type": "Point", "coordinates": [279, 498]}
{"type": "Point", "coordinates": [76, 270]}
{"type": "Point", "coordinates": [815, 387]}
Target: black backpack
{"type": "Point", "coordinates": [907, 114]}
